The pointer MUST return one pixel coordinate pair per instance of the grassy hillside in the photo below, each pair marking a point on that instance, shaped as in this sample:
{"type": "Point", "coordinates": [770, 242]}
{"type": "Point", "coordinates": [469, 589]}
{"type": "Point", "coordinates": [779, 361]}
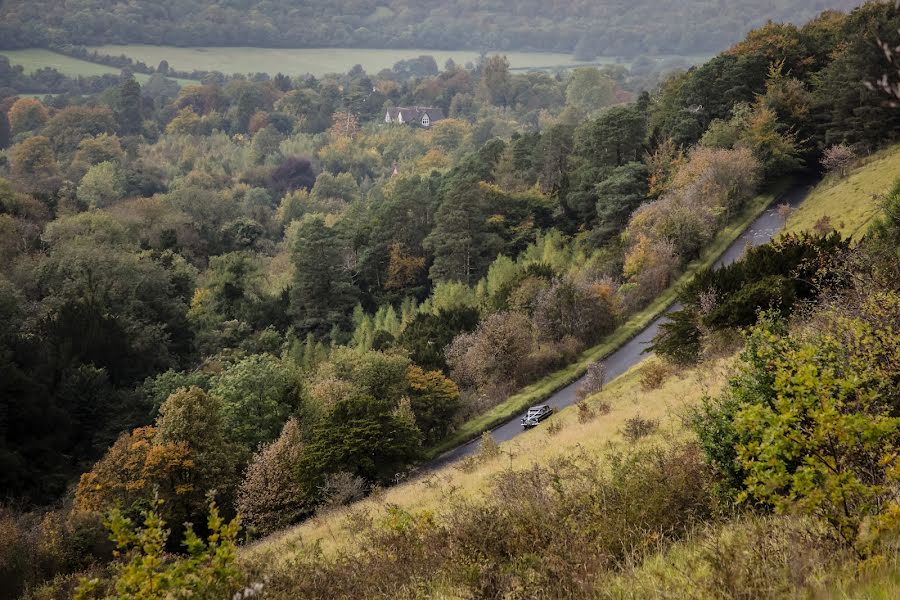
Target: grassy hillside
{"type": "Point", "coordinates": [851, 202]}
{"type": "Point", "coordinates": [38, 58]}
{"type": "Point", "coordinates": [626, 399]}
{"type": "Point", "coordinates": [766, 556]}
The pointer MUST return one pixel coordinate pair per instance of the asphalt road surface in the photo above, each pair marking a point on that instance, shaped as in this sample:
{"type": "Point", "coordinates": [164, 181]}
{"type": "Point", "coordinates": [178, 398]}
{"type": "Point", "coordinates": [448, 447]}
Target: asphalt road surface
{"type": "Point", "coordinates": [759, 232]}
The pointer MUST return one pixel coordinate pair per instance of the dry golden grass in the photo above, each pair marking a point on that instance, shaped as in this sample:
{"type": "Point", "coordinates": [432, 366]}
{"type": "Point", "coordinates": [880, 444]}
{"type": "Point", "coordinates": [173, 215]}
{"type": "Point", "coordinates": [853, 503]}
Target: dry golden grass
{"type": "Point", "coordinates": [626, 398]}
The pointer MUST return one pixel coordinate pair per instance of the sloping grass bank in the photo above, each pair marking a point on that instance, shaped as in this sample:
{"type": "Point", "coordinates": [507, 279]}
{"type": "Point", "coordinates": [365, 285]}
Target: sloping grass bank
{"type": "Point", "coordinates": [544, 388]}
{"type": "Point", "coordinates": [624, 399]}
{"type": "Point", "coordinates": [34, 59]}
{"type": "Point", "coordinates": [851, 202]}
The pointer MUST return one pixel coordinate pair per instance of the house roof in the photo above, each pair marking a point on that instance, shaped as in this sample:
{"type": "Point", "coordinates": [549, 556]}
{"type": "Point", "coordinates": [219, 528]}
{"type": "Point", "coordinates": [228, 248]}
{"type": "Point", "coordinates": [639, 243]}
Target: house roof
{"type": "Point", "coordinates": [415, 113]}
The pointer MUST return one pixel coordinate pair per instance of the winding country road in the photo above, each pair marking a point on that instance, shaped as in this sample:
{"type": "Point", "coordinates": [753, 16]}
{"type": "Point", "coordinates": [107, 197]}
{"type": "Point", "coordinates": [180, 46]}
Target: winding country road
{"type": "Point", "coordinates": [759, 232]}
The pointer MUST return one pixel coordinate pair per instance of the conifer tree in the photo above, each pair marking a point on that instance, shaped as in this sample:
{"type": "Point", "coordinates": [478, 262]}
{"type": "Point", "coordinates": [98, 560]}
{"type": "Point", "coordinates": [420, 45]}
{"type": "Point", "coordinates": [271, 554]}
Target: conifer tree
{"type": "Point", "coordinates": [323, 295]}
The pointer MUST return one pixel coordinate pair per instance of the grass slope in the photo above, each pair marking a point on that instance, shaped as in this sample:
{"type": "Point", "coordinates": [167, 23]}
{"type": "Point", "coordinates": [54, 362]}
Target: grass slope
{"type": "Point", "coordinates": [850, 202]}
{"type": "Point", "coordinates": [626, 399]}
{"type": "Point", "coordinates": [38, 58]}
{"type": "Point", "coordinates": [545, 387]}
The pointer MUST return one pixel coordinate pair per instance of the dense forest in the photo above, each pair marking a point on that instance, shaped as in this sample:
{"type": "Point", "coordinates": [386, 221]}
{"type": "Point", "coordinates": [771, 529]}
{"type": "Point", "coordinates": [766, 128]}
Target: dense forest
{"type": "Point", "coordinates": [589, 29]}
{"type": "Point", "coordinates": [255, 291]}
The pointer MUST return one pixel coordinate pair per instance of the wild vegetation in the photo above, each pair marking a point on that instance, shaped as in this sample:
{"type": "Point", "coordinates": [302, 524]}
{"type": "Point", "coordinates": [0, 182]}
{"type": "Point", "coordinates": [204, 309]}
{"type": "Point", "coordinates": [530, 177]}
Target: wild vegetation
{"type": "Point", "coordinates": [254, 295]}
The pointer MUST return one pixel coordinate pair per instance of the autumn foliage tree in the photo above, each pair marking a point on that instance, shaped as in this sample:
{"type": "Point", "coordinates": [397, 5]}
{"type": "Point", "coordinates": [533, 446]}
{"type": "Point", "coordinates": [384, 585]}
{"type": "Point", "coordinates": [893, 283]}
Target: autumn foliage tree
{"type": "Point", "coordinates": [136, 469]}
{"type": "Point", "coordinates": [33, 159]}
{"type": "Point", "coordinates": [272, 494]}
{"type": "Point", "coordinates": [27, 114]}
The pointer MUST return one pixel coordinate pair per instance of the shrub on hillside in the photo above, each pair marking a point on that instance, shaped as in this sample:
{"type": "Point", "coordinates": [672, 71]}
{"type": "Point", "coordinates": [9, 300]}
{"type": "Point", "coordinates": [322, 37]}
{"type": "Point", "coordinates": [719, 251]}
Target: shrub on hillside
{"type": "Point", "coordinates": [561, 527]}
{"type": "Point", "coordinates": [654, 374]}
{"type": "Point", "coordinates": [35, 547]}
{"type": "Point", "coordinates": [810, 423]}
{"type": "Point", "coordinates": [272, 494]}
{"type": "Point", "coordinates": [775, 275]}
{"type": "Point", "coordinates": [208, 570]}
{"type": "Point", "coordinates": [593, 381]}
{"type": "Point", "coordinates": [638, 427]}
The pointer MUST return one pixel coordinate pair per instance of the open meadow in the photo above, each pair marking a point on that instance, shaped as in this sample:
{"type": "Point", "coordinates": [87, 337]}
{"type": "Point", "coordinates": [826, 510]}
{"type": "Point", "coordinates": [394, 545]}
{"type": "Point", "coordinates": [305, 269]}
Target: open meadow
{"type": "Point", "coordinates": [34, 59]}
{"type": "Point", "coordinates": [315, 61]}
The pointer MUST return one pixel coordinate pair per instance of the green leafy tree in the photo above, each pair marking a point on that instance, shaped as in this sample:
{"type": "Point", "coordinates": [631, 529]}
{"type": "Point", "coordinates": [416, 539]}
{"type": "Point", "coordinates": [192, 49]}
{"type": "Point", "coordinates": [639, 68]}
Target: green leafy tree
{"type": "Point", "coordinates": [265, 144]}
{"type": "Point", "coordinates": [429, 334]}
{"type": "Point", "coordinates": [258, 393]}
{"type": "Point", "coordinates": [434, 400]}
{"type": "Point", "coordinates": [193, 417]}
{"type": "Point", "coordinates": [366, 437]}
{"type": "Point", "coordinates": [102, 185]}
{"type": "Point", "coordinates": [495, 80]}
{"type": "Point", "coordinates": [617, 198]}
{"type": "Point", "coordinates": [462, 241]}
{"type": "Point", "coordinates": [107, 305]}
{"type": "Point", "coordinates": [67, 128]}
{"type": "Point", "coordinates": [381, 375]}
{"type": "Point", "coordinates": [103, 148]}
{"type": "Point", "coordinates": [33, 159]}
{"type": "Point", "coordinates": [689, 102]}
{"type": "Point", "coordinates": [601, 145]}
{"type": "Point", "coordinates": [127, 107]}
{"type": "Point", "coordinates": [323, 294]}
{"type": "Point", "coordinates": [27, 114]}
{"type": "Point", "coordinates": [234, 287]}
{"type": "Point", "coordinates": [589, 90]}
{"type": "Point", "coordinates": [5, 131]}
{"type": "Point", "coordinates": [815, 421]}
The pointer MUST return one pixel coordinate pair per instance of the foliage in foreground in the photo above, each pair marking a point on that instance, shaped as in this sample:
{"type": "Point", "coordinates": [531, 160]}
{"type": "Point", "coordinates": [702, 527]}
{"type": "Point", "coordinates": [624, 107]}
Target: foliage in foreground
{"type": "Point", "coordinates": [554, 530]}
{"type": "Point", "coordinates": [144, 572]}
{"type": "Point", "coordinates": [811, 425]}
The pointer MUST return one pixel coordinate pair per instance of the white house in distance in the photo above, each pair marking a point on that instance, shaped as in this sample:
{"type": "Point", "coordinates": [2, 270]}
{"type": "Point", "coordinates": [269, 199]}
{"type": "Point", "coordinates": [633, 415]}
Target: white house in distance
{"type": "Point", "coordinates": [416, 115]}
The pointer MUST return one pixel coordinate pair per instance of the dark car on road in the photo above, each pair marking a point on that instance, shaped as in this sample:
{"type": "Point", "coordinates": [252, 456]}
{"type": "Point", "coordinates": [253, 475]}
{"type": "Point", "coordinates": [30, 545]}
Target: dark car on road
{"type": "Point", "coordinates": [535, 415]}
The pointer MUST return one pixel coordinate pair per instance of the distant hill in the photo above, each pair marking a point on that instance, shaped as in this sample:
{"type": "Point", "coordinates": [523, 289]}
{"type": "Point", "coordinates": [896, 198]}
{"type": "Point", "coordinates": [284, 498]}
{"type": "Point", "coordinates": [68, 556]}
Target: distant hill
{"type": "Point", "coordinates": [587, 27]}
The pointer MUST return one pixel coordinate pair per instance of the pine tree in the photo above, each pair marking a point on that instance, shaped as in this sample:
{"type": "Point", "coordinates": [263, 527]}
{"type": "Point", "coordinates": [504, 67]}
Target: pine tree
{"type": "Point", "coordinates": [462, 244]}
{"type": "Point", "coordinates": [323, 295]}
{"type": "Point", "coordinates": [128, 108]}
{"type": "Point", "coordinates": [5, 133]}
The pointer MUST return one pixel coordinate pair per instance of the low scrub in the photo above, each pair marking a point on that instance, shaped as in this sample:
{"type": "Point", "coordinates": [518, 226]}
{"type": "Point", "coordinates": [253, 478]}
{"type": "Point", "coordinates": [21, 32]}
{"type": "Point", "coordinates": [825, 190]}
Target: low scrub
{"type": "Point", "coordinates": [555, 530]}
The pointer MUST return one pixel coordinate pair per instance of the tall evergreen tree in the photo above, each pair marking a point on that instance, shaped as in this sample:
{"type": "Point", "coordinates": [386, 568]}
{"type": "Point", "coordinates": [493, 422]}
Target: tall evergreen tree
{"type": "Point", "coordinates": [128, 108]}
{"type": "Point", "coordinates": [461, 241]}
{"type": "Point", "coordinates": [323, 294]}
{"type": "Point", "coordinates": [5, 134]}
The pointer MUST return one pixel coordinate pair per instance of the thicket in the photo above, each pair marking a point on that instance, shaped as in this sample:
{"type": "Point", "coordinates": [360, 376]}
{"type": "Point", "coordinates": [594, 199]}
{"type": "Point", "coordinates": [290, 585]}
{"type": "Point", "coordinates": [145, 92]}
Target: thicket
{"type": "Point", "coordinates": [778, 276]}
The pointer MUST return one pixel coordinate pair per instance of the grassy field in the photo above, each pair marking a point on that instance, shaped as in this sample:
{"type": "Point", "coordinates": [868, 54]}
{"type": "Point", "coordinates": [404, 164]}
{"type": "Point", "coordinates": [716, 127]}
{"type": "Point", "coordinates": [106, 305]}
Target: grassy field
{"type": "Point", "coordinates": [850, 202]}
{"type": "Point", "coordinates": [318, 61]}
{"type": "Point", "coordinates": [38, 58]}
{"type": "Point", "coordinates": [542, 389]}
{"type": "Point", "coordinates": [315, 61]}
